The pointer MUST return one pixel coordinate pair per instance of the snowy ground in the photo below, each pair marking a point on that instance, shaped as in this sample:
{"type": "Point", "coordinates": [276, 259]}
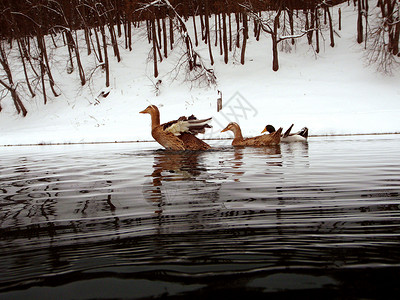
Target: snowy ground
{"type": "Point", "coordinates": [333, 92]}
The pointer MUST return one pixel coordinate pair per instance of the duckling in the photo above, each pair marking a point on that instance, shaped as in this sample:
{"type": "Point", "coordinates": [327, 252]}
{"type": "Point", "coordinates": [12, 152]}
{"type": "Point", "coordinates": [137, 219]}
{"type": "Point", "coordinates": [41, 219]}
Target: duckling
{"type": "Point", "coordinates": [179, 134]}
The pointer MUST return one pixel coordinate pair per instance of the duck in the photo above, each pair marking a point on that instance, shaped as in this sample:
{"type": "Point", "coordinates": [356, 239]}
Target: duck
{"type": "Point", "coordinates": [179, 134]}
{"type": "Point", "coordinates": [287, 137]}
{"type": "Point", "coordinates": [262, 140]}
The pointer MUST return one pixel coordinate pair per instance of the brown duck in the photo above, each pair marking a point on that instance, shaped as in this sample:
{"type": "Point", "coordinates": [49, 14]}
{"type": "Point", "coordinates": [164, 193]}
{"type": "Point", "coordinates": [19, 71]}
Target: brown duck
{"type": "Point", "coordinates": [178, 134]}
{"type": "Point", "coordinates": [262, 140]}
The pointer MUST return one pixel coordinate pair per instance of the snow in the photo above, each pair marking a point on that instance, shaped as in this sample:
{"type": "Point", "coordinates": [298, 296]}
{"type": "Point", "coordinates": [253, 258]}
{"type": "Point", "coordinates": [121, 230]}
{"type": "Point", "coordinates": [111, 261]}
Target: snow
{"type": "Point", "coordinates": [332, 92]}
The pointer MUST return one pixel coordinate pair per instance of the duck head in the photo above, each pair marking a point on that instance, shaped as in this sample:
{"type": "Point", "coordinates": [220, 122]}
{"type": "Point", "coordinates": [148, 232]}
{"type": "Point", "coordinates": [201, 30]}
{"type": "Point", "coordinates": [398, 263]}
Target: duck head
{"type": "Point", "coordinates": [154, 113]}
{"type": "Point", "coordinates": [151, 109]}
{"type": "Point", "coordinates": [231, 126]}
{"type": "Point", "coordinates": [269, 128]}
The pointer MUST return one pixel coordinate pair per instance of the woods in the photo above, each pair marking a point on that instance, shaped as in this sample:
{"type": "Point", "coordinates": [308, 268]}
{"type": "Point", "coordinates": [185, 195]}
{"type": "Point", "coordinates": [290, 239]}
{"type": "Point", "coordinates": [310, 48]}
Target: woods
{"type": "Point", "coordinates": [32, 30]}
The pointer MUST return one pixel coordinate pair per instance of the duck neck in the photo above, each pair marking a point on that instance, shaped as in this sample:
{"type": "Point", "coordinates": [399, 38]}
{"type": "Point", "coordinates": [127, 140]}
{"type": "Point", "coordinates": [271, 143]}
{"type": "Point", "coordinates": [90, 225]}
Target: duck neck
{"type": "Point", "coordinates": [155, 119]}
{"type": "Point", "coordinates": [238, 134]}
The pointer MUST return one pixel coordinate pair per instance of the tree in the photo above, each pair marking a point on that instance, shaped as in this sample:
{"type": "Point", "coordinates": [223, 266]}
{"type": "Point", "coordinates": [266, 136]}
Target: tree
{"type": "Point", "coordinates": [10, 86]}
{"type": "Point", "coordinates": [195, 64]}
{"type": "Point", "coordinates": [382, 46]}
{"type": "Point", "coordinates": [271, 25]}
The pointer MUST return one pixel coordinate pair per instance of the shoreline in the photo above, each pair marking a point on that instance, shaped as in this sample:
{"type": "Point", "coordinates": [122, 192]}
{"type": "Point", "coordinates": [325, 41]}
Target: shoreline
{"type": "Point", "coordinates": [209, 139]}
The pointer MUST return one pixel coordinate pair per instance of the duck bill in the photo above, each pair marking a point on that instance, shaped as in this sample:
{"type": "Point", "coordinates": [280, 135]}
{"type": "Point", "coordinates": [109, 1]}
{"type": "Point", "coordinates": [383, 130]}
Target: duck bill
{"type": "Point", "coordinates": [225, 129]}
{"type": "Point", "coordinates": [265, 130]}
{"type": "Point", "coordinates": [143, 112]}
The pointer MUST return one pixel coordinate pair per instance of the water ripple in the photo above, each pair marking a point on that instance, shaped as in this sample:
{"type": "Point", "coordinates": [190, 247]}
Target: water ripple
{"type": "Point", "coordinates": [92, 213]}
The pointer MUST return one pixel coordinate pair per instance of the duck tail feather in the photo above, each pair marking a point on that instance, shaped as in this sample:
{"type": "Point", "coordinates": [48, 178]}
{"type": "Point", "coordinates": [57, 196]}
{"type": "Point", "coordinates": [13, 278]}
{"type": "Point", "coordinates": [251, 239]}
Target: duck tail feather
{"type": "Point", "coordinates": [287, 132]}
{"type": "Point", "coordinates": [197, 122]}
{"type": "Point", "coordinates": [278, 132]}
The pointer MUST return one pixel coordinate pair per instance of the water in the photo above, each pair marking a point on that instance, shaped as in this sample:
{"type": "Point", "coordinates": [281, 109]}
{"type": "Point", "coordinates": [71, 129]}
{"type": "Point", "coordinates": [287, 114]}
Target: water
{"type": "Point", "coordinates": [134, 222]}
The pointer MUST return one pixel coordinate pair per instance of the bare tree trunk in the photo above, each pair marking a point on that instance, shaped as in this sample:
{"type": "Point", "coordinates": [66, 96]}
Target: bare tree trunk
{"type": "Point", "coordinates": [207, 24]}
{"type": "Point", "coordinates": [366, 6]}
{"type": "Point", "coordinates": [74, 47]}
{"type": "Point", "coordinates": [158, 31]}
{"type": "Point", "coordinates": [171, 33]}
{"type": "Point", "coordinates": [21, 53]}
{"type": "Point", "coordinates": [149, 34]}
{"type": "Point", "coordinates": [196, 41]}
{"type": "Point", "coordinates": [216, 29]}
{"type": "Point", "coordinates": [221, 50]}
{"type": "Point", "coordinates": [224, 38]}
{"type": "Point", "coordinates": [18, 103]}
{"type": "Point", "coordinates": [274, 36]}
{"type": "Point", "coordinates": [230, 32]}
{"type": "Point", "coordinates": [43, 51]}
{"type": "Point", "coordinates": [245, 33]}
{"type": "Point", "coordinates": [309, 25]}
{"type": "Point", "coordinates": [98, 45]}
{"type": "Point", "coordinates": [154, 38]}
{"type": "Point", "coordinates": [316, 31]}
{"type": "Point", "coordinates": [93, 45]}
{"type": "Point", "coordinates": [114, 41]}
{"type": "Point", "coordinates": [332, 38]}
{"type": "Point", "coordinates": [258, 30]}
{"type": "Point", "coordinates": [164, 29]}
{"type": "Point", "coordinates": [396, 39]}
{"type": "Point", "coordinates": [87, 39]}
{"type": "Point", "coordinates": [42, 70]}
{"type": "Point", "coordinates": [359, 23]}
{"type": "Point", "coordinates": [291, 23]}
{"type": "Point", "coordinates": [237, 30]}
{"type": "Point", "coordinates": [106, 64]}
{"type": "Point", "coordinates": [19, 106]}
{"type": "Point", "coordinates": [70, 51]}
{"type": "Point", "coordinates": [27, 56]}
{"type": "Point", "coordinates": [79, 62]}
{"type": "Point", "coordinates": [129, 25]}
{"type": "Point", "coordinates": [203, 31]}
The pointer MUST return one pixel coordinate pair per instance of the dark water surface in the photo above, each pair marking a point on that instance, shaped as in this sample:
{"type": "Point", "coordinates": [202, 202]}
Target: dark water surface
{"type": "Point", "coordinates": [317, 220]}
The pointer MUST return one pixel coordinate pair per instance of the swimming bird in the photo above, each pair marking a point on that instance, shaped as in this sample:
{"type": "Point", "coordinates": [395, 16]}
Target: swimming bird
{"type": "Point", "coordinates": [262, 140]}
{"type": "Point", "coordinates": [300, 136]}
{"type": "Point", "coordinates": [178, 134]}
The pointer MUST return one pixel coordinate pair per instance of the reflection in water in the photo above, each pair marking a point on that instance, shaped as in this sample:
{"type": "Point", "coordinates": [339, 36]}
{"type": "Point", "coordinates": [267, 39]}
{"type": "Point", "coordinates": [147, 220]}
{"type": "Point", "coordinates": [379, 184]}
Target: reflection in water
{"type": "Point", "coordinates": [237, 163]}
{"type": "Point", "coordinates": [172, 166]}
{"type": "Point", "coordinates": [299, 217]}
{"type": "Point", "coordinates": [234, 159]}
{"type": "Point", "coordinates": [296, 153]}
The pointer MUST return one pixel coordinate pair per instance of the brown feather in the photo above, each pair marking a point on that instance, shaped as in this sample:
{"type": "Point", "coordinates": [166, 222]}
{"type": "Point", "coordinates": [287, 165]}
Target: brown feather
{"type": "Point", "coordinates": [191, 142]}
{"type": "Point", "coordinates": [167, 139]}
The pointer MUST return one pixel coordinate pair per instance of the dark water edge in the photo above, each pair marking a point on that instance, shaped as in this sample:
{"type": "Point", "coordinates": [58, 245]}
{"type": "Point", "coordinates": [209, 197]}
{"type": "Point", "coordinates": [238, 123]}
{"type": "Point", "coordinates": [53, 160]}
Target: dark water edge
{"type": "Point", "coordinates": [298, 221]}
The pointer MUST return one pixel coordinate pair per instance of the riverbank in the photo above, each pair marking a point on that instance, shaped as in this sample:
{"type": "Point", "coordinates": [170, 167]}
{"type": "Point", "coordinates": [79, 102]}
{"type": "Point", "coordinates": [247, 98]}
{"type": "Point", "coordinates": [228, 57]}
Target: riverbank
{"type": "Point", "coordinates": [332, 93]}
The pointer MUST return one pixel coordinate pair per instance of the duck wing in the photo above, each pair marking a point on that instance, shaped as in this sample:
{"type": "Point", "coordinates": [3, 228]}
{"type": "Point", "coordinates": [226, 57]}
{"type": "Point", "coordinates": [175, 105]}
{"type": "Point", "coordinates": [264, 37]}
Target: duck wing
{"type": "Point", "coordinates": [191, 142]}
{"type": "Point", "coordinates": [190, 125]}
{"type": "Point", "coordinates": [167, 139]}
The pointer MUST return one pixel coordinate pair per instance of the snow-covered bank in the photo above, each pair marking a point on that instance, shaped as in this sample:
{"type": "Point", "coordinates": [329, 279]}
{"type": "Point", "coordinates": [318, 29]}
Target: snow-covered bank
{"type": "Point", "coordinates": [330, 93]}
